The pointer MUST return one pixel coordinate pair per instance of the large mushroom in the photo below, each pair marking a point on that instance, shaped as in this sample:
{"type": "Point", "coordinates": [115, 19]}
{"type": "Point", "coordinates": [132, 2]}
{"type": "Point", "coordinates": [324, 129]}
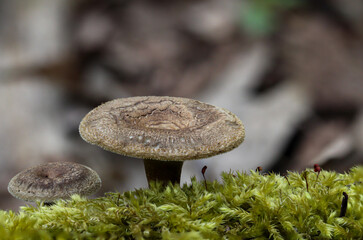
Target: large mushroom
{"type": "Point", "coordinates": [55, 180]}
{"type": "Point", "coordinates": [164, 131]}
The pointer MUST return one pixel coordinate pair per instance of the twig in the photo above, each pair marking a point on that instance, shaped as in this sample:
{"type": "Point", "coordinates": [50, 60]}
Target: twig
{"type": "Point", "coordinates": [205, 181]}
{"type": "Point", "coordinates": [343, 209]}
{"type": "Point", "coordinates": [118, 199]}
{"type": "Point", "coordinates": [285, 176]}
{"type": "Point", "coordinates": [305, 174]}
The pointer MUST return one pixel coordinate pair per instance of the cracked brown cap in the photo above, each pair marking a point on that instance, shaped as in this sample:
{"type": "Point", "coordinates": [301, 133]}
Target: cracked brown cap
{"type": "Point", "coordinates": [162, 128]}
{"type": "Point", "coordinates": [56, 180]}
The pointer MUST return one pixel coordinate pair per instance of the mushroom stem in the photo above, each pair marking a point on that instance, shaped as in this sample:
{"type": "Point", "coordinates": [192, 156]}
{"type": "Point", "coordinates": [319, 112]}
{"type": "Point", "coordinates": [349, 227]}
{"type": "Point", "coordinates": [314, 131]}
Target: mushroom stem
{"type": "Point", "coordinates": [163, 171]}
{"type": "Point", "coordinates": [48, 204]}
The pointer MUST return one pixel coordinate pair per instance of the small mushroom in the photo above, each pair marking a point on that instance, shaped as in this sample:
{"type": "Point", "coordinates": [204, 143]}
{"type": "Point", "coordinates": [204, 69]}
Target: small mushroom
{"type": "Point", "coordinates": [55, 180]}
{"type": "Point", "coordinates": [164, 131]}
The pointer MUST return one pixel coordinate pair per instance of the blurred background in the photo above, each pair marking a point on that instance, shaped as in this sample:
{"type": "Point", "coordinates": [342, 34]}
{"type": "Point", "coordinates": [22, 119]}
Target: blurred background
{"type": "Point", "coordinates": [292, 70]}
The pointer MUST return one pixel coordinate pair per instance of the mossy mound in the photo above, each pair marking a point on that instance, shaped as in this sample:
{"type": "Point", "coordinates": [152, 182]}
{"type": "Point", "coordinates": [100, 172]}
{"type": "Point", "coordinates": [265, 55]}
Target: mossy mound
{"type": "Point", "coordinates": [243, 206]}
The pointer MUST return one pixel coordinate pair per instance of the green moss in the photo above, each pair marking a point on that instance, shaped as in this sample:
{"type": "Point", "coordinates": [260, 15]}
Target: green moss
{"type": "Point", "coordinates": [243, 206]}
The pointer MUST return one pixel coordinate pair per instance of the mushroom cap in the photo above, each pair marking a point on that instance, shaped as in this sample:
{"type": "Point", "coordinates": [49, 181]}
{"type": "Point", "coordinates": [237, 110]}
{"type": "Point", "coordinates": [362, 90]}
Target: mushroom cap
{"type": "Point", "coordinates": [55, 180]}
{"type": "Point", "coordinates": [162, 128]}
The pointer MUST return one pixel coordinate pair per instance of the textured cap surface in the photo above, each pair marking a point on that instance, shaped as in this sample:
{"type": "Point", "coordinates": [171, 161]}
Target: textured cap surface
{"type": "Point", "coordinates": [55, 180]}
{"type": "Point", "coordinates": [162, 128]}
